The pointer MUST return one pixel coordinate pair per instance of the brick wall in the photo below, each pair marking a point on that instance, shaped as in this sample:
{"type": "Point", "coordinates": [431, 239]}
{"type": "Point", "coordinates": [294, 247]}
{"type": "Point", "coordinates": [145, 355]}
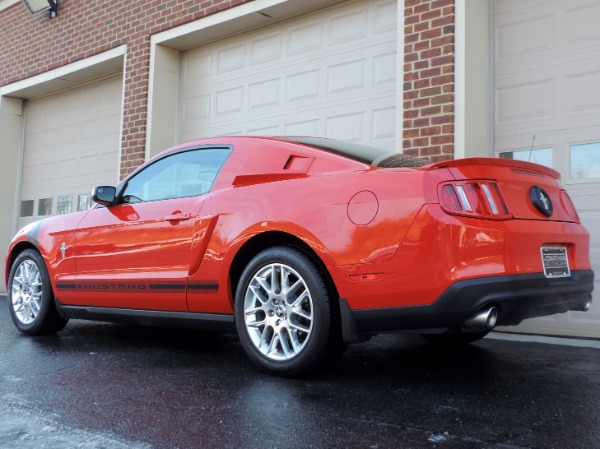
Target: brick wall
{"type": "Point", "coordinates": [35, 44]}
{"type": "Point", "coordinates": [429, 79]}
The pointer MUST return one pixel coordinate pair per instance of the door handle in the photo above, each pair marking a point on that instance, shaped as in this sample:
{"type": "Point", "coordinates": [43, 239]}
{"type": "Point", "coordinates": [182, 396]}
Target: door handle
{"type": "Point", "coordinates": [178, 217]}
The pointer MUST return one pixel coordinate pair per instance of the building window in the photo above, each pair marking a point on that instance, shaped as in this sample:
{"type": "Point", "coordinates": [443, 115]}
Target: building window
{"type": "Point", "coordinates": [64, 204]}
{"type": "Point", "coordinates": [542, 156]}
{"type": "Point", "coordinates": [84, 202]}
{"type": "Point", "coordinates": [44, 207]}
{"type": "Point", "coordinates": [585, 161]}
{"type": "Point", "coordinates": [27, 208]}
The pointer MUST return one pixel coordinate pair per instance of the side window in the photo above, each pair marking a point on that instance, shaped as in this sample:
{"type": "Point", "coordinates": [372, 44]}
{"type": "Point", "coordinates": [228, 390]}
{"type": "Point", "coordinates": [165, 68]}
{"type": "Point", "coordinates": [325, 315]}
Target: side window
{"type": "Point", "coordinates": [188, 173]}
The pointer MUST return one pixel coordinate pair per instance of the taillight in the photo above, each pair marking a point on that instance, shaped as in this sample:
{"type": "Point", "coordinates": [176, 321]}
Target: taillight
{"type": "Point", "coordinates": [568, 206]}
{"type": "Point", "coordinates": [480, 199]}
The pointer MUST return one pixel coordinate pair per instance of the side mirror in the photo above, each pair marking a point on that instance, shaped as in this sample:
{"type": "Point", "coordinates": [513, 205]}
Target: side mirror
{"type": "Point", "coordinates": [104, 195]}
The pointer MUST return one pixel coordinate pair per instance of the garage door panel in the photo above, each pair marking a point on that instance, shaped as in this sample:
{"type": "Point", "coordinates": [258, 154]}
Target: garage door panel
{"type": "Point", "coordinates": [578, 87]}
{"type": "Point", "coordinates": [347, 27]}
{"type": "Point", "coordinates": [266, 49]}
{"type": "Point", "coordinates": [305, 128]}
{"type": "Point", "coordinates": [581, 25]}
{"type": "Point", "coordinates": [532, 36]}
{"type": "Point", "coordinates": [520, 103]}
{"type": "Point", "coordinates": [305, 76]}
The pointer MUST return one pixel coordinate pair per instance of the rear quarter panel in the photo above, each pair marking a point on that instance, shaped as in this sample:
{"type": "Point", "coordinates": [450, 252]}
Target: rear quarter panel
{"type": "Point", "coordinates": [314, 209]}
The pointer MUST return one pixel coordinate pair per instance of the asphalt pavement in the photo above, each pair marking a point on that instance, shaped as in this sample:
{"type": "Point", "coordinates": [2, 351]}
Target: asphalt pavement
{"type": "Point", "coordinates": [99, 385]}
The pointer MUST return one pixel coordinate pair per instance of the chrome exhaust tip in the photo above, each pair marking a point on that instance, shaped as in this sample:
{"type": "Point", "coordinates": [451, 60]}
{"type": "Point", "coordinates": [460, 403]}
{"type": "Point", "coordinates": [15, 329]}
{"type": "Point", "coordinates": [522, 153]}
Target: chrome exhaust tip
{"type": "Point", "coordinates": [587, 305]}
{"type": "Point", "coordinates": [484, 320]}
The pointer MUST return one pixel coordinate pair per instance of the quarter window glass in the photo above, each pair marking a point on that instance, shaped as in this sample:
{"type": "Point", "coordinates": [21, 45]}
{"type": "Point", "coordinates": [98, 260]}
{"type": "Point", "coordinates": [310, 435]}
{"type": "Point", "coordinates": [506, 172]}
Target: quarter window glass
{"type": "Point", "coordinates": [190, 173]}
{"type": "Point", "coordinates": [542, 156]}
{"type": "Point", "coordinates": [585, 161]}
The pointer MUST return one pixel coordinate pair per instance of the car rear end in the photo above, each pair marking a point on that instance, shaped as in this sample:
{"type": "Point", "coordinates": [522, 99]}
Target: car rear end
{"type": "Point", "coordinates": [497, 241]}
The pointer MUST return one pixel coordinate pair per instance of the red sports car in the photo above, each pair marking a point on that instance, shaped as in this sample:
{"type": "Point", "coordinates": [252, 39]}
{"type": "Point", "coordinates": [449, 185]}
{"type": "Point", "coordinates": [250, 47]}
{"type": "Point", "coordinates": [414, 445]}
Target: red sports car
{"type": "Point", "coordinates": [303, 245]}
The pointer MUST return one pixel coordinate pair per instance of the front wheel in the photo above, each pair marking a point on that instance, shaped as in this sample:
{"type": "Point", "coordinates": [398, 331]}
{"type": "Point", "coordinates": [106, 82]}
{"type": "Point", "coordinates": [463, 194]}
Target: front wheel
{"type": "Point", "coordinates": [285, 313]}
{"type": "Point", "coordinates": [30, 297]}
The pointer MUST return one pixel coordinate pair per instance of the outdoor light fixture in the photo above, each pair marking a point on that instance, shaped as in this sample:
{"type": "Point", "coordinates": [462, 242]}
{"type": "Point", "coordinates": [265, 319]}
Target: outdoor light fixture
{"type": "Point", "coordinates": [35, 6]}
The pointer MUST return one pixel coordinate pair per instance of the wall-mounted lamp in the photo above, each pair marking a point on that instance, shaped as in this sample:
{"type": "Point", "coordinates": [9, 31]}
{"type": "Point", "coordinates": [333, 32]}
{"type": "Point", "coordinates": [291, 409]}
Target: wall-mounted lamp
{"type": "Point", "coordinates": [35, 6]}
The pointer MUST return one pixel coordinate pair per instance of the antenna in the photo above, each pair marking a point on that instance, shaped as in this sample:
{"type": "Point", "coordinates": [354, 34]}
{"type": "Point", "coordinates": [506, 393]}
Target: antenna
{"type": "Point", "coordinates": [531, 150]}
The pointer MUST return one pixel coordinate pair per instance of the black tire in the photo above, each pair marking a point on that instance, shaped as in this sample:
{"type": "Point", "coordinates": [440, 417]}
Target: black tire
{"type": "Point", "coordinates": [456, 339]}
{"type": "Point", "coordinates": [289, 332]}
{"type": "Point", "coordinates": [30, 297]}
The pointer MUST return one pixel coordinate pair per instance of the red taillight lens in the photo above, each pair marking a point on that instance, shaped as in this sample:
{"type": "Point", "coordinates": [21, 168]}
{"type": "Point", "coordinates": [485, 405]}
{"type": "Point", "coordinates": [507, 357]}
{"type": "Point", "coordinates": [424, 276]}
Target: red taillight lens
{"type": "Point", "coordinates": [568, 205]}
{"type": "Point", "coordinates": [481, 199]}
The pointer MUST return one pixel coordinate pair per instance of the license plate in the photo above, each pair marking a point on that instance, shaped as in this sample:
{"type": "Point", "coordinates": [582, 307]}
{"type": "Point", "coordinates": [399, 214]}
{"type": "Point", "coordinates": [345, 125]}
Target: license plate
{"type": "Point", "coordinates": [555, 261]}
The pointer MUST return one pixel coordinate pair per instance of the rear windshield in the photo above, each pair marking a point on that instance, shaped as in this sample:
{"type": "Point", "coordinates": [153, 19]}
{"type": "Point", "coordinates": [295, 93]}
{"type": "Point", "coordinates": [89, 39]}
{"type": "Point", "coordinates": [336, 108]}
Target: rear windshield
{"type": "Point", "coordinates": [358, 152]}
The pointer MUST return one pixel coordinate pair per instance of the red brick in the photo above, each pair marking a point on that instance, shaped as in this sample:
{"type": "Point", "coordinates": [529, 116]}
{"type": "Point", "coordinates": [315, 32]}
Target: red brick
{"type": "Point", "coordinates": [428, 54]}
{"type": "Point", "coordinates": [433, 110]}
{"type": "Point", "coordinates": [442, 60]}
{"type": "Point", "coordinates": [430, 92]}
{"type": "Point", "coordinates": [439, 140]}
{"type": "Point", "coordinates": [431, 14]}
{"type": "Point", "coordinates": [442, 21]}
{"type": "Point", "coordinates": [441, 158]}
{"type": "Point", "coordinates": [421, 122]}
{"type": "Point", "coordinates": [431, 151]}
{"type": "Point", "coordinates": [442, 119]}
{"type": "Point", "coordinates": [440, 99]}
{"type": "Point", "coordinates": [430, 131]}
{"type": "Point", "coordinates": [431, 33]}
{"type": "Point", "coordinates": [421, 83]}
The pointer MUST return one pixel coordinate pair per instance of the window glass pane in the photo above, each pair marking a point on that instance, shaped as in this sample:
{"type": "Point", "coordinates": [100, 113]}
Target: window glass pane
{"type": "Point", "coordinates": [44, 207]}
{"type": "Point", "coordinates": [585, 161]}
{"type": "Point", "coordinates": [64, 204]}
{"type": "Point", "coordinates": [84, 202]}
{"type": "Point", "coordinates": [542, 156]}
{"type": "Point", "coordinates": [183, 174]}
{"type": "Point", "coordinates": [27, 208]}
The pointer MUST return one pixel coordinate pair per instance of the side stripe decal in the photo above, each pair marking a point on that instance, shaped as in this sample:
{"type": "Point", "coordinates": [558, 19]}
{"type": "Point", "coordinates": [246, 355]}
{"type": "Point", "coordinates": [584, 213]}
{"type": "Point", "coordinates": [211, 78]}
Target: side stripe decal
{"type": "Point", "coordinates": [138, 287]}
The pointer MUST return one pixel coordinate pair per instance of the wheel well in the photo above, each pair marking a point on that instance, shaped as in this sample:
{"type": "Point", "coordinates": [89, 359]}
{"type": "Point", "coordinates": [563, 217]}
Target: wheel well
{"type": "Point", "coordinates": [18, 249]}
{"type": "Point", "coordinates": [270, 239]}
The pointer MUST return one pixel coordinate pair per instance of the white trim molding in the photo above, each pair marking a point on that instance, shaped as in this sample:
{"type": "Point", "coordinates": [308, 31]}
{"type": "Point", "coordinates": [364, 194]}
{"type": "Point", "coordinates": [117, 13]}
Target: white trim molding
{"type": "Point", "coordinates": [5, 4]}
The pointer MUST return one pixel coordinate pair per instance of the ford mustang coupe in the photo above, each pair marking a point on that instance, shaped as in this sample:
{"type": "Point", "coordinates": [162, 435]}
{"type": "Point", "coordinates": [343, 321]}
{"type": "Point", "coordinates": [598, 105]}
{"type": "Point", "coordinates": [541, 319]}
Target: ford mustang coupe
{"type": "Point", "coordinates": [302, 245]}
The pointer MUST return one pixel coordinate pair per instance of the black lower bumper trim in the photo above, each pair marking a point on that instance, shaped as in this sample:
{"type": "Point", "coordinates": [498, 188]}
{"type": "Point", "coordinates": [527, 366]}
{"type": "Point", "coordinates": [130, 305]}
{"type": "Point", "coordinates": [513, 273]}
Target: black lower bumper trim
{"type": "Point", "coordinates": [516, 297]}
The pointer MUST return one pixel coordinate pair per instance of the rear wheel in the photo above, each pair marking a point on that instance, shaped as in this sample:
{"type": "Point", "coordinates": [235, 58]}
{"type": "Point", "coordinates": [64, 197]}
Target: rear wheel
{"type": "Point", "coordinates": [285, 313]}
{"type": "Point", "coordinates": [457, 339]}
{"type": "Point", "coordinates": [30, 297]}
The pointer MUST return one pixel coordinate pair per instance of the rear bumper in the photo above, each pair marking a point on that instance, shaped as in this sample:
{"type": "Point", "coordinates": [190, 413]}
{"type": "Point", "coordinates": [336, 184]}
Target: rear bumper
{"type": "Point", "coordinates": [516, 297]}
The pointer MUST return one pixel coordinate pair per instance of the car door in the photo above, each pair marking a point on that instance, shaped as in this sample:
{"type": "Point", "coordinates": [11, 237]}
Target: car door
{"type": "Point", "coordinates": [136, 254]}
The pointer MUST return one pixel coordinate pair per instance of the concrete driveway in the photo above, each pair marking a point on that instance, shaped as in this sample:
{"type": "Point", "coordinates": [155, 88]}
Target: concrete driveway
{"type": "Point", "coordinates": [97, 385]}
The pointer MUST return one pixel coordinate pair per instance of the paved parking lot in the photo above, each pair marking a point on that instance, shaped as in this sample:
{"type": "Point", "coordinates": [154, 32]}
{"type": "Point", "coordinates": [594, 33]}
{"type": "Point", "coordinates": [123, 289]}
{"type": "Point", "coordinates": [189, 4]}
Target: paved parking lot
{"type": "Point", "coordinates": [97, 385]}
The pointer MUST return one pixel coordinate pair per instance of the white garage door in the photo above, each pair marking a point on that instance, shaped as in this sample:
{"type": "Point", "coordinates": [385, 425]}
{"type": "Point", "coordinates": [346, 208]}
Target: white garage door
{"type": "Point", "coordinates": [71, 145]}
{"type": "Point", "coordinates": [331, 73]}
{"type": "Point", "coordinates": [547, 84]}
